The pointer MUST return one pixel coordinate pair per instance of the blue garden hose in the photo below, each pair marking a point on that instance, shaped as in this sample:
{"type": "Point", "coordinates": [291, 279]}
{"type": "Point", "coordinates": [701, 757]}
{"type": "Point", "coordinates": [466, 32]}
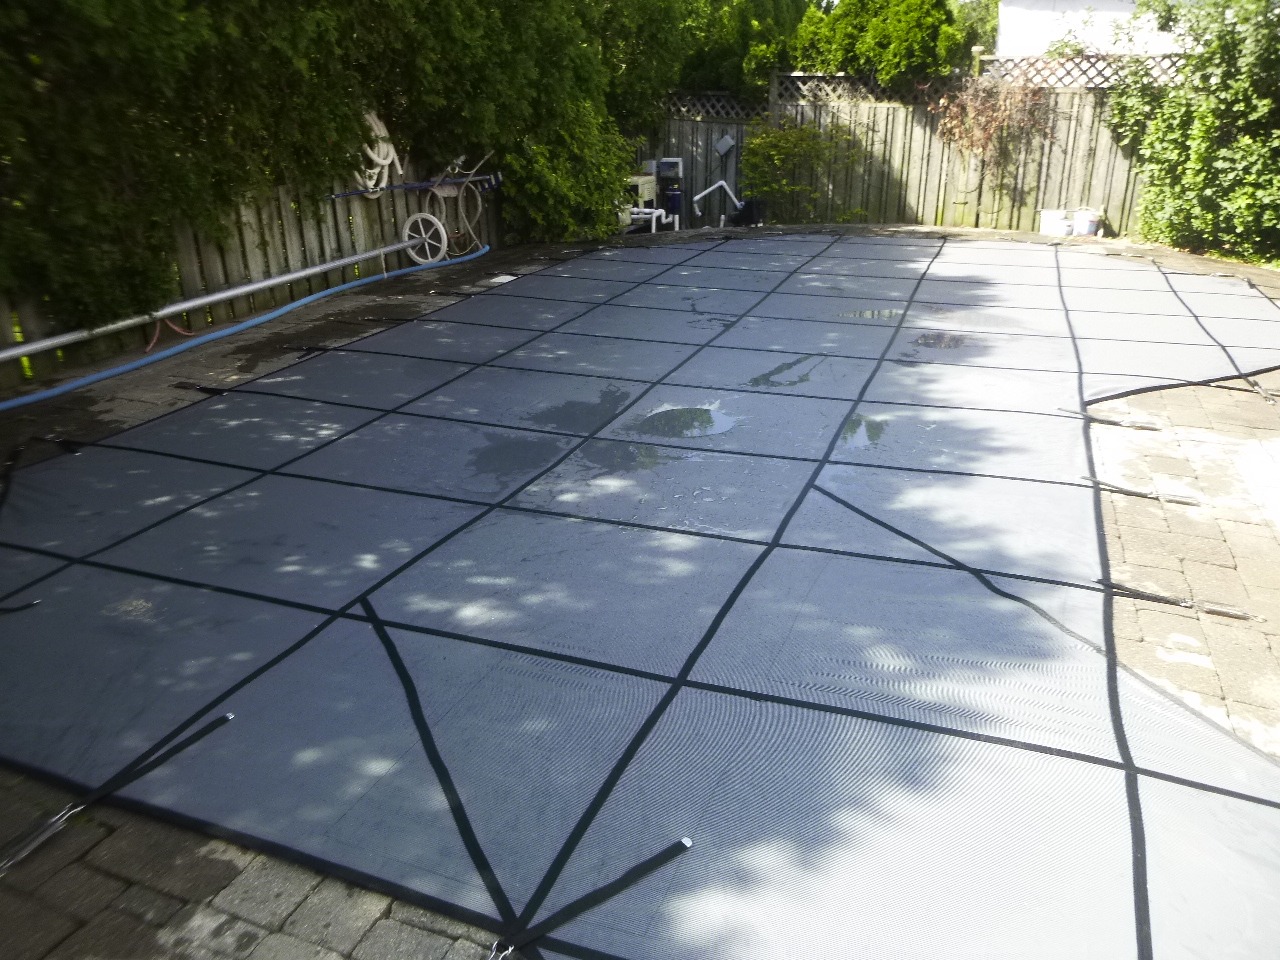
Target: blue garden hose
{"type": "Point", "coordinates": [93, 378]}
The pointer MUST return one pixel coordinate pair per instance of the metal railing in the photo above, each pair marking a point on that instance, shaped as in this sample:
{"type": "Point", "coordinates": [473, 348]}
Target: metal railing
{"type": "Point", "coordinates": [21, 350]}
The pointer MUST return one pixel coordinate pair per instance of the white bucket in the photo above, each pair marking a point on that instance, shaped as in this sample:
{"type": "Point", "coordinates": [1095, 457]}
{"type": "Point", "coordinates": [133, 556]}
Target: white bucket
{"type": "Point", "coordinates": [1056, 223]}
{"type": "Point", "coordinates": [1085, 222]}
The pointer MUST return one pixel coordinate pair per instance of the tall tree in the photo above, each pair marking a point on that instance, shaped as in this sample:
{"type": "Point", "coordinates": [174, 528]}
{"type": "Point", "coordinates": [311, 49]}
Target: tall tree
{"type": "Point", "coordinates": [736, 44]}
{"type": "Point", "coordinates": [643, 45]}
{"type": "Point", "coordinates": [895, 41]}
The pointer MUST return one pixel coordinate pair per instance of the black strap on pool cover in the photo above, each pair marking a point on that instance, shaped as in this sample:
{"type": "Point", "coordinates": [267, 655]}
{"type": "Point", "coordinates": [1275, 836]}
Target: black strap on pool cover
{"type": "Point", "coordinates": [594, 898]}
{"type": "Point", "coordinates": [29, 840]}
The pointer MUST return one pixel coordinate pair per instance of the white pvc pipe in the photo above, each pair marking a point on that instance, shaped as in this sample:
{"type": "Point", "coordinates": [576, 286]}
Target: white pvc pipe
{"type": "Point", "coordinates": [173, 309]}
{"type": "Point", "coordinates": [737, 204]}
{"type": "Point", "coordinates": [257, 321]}
{"type": "Point", "coordinates": [655, 216]}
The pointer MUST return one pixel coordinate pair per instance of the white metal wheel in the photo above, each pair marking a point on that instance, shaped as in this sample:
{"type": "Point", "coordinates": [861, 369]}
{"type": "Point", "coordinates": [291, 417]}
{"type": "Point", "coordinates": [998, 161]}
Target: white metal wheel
{"type": "Point", "coordinates": [436, 202]}
{"type": "Point", "coordinates": [433, 240]}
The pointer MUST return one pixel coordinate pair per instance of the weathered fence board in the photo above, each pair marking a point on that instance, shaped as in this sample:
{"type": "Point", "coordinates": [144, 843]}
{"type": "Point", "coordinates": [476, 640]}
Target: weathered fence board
{"type": "Point", "coordinates": [10, 373]}
{"type": "Point", "coordinates": [295, 255]}
{"type": "Point", "coordinates": [280, 234]}
{"type": "Point", "coordinates": [214, 269]}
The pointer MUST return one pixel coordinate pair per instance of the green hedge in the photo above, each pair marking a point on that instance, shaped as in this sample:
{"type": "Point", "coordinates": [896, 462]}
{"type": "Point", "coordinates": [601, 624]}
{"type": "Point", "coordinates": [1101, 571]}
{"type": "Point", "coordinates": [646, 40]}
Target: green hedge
{"type": "Point", "coordinates": [121, 119]}
{"type": "Point", "coordinates": [1209, 144]}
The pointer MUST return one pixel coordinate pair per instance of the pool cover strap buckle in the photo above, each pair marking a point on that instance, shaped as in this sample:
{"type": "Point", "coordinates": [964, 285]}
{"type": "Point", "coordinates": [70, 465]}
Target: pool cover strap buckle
{"type": "Point", "coordinates": [1133, 423]}
{"type": "Point", "coordinates": [1144, 494]}
{"type": "Point", "coordinates": [30, 840]}
{"type": "Point", "coordinates": [1187, 603]}
{"type": "Point", "coordinates": [1254, 387]}
{"type": "Point", "coordinates": [503, 949]}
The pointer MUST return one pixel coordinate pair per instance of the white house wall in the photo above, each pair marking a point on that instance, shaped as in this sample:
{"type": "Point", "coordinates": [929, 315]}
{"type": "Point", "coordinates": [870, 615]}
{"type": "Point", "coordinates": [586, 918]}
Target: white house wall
{"type": "Point", "coordinates": [1029, 27]}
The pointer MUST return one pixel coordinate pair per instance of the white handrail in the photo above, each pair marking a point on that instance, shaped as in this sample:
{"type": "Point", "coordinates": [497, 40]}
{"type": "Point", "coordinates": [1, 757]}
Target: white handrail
{"type": "Point", "coordinates": [737, 204]}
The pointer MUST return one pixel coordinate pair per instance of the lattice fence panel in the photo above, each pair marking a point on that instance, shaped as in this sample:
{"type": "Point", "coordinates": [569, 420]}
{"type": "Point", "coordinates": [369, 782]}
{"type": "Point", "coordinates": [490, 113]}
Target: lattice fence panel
{"type": "Point", "coordinates": [1092, 71]}
{"type": "Point", "coordinates": [845, 88]}
{"type": "Point", "coordinates": [712, 106]}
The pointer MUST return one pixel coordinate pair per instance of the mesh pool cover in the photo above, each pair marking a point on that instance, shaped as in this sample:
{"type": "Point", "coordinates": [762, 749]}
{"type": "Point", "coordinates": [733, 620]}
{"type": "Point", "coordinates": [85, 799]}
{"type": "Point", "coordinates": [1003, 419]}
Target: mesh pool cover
{"type": "Point", "coordinates": [785, 545]}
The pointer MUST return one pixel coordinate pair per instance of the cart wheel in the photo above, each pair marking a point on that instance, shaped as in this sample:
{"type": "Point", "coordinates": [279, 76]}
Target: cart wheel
{"type": "Point", "coordinates": [432, 243]}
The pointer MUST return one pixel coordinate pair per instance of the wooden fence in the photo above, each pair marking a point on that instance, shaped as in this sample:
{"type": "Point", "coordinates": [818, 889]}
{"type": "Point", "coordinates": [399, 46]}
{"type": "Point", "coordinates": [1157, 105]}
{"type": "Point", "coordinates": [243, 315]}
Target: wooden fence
{"type": "Point", "coordinates": [892, 165]}
{"type": "Point", "coordinates": [278, 236]}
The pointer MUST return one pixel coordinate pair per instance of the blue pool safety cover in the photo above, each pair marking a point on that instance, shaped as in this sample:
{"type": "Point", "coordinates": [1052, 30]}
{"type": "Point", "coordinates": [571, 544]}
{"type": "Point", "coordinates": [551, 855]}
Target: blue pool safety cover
{"type": "Point", "coordinates": [787, 545]}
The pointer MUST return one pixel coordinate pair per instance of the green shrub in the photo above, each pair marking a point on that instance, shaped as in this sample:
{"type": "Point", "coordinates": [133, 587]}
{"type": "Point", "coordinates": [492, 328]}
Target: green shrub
{"type": "Point", "coordinates": [782, 164]}
{"type": "Point", "coordinates": [123, 119]}
{"type": "Point", "coordinates": [1209, 144]}
{"type": "Point", "coordinates": [562, 176]}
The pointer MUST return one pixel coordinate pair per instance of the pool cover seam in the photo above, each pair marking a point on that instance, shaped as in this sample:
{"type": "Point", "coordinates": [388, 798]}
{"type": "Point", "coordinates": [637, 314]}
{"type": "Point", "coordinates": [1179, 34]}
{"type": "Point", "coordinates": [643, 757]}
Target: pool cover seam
{"type": "Point", "coordinates": [72, 561]}
{"type": "Point", "coordinates": [1165, 385]}
{"type": "Point", "coordinates": [1158, 383]}
{"type": "Point", "coordinates": [1137, 828]}
{"type": "Point", "coordinates": [817, 706]}
{"type": "Point", "coordinates": [1167, 381]}
{"type": "Point", "coordinates": [580, 828]}
{"type": "Point", "coordinates": [466, 832]}
{"type": "Point", "coordinates": [658, 677]}
{"type": "Point", "coordinates": [331, 617]}
{"type": "Point", "coordinates": [247, 387]}
{"type": "Point", "coordinates": [490, 425]}
{"type": "Point", "coordinates": [69, 560]}
{"type": "Point", "coordinates": [960, 565]}
{"type": "Point", "coordinates": [961, 329]}
{"type": "Point", "coordinates": [114, 443]}
{"type": "Point", "coordinates": [831, 296]}
{"type": "Point", "coordinates": [1200, 323]}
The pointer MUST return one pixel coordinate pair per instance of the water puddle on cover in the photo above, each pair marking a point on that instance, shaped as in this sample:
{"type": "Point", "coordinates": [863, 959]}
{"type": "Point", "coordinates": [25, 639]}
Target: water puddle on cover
{"type": "Point", "coordinates": [582, 416]}
{"type": "Point", "coordinates": [941, 341]}
{"type": "Point", "coordinates": [862, 432]}
{"type": "Point", "coordinates": [685, 422]}
{"type": "Point", "coordinates": [509, 458]}
{"type": "Point", "coordinates": [626, 457]}
{"type": "Point", "coordinates": [770, 377]}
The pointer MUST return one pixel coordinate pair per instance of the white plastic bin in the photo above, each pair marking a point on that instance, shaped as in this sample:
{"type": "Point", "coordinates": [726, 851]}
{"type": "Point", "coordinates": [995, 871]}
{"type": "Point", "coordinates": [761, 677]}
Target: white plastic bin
{"type": "Point", "coordinates": [1056, 223]}
{"type": "Point", "coordinates": [1085, 222]}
